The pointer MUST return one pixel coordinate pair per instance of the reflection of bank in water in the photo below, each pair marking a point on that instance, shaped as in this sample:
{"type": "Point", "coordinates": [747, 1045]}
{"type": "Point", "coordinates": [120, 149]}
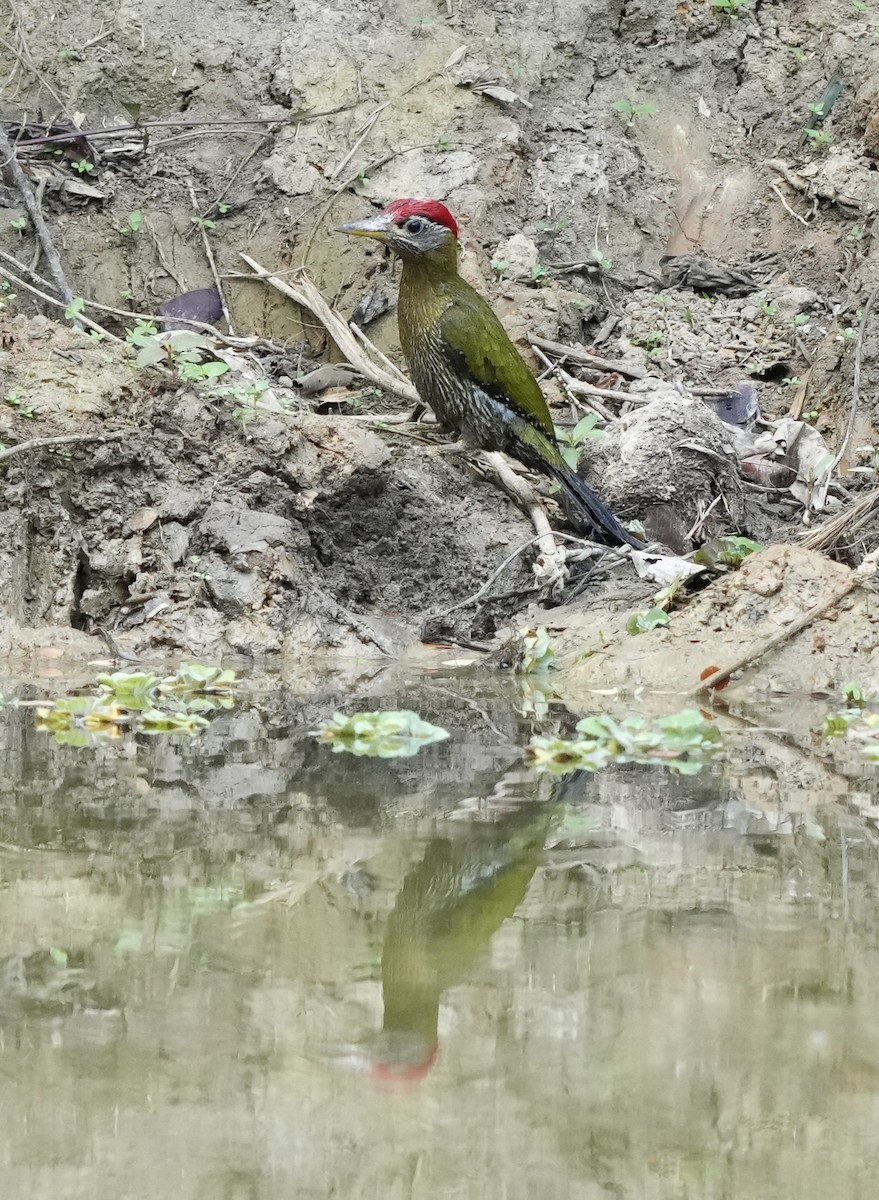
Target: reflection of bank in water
{"type": "Point", "coordinates": [451, 903]}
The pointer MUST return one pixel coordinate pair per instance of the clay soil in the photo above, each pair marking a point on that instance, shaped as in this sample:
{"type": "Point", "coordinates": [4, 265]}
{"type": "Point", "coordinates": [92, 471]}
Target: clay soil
{"type": "Point", "coordinates": [624, 131]}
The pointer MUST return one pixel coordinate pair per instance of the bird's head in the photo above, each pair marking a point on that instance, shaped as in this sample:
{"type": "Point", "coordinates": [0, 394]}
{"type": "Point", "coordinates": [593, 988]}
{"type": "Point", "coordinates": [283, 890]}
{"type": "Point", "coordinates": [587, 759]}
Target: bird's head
{"type": "Point", "coordinates": [416, 229]}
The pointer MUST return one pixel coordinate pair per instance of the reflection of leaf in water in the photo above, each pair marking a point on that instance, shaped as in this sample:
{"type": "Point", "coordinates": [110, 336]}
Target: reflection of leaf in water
{"type": "Point", "coordinates": [682, 742]}
{"type": "Point", "coordinates": [572, 822]}
{"type": "Point", "coordinates": [398, 734]}
{"type": "Point", "coordinates": [130, 941]}
{"type": "Point", "coordinates": [141, 700]}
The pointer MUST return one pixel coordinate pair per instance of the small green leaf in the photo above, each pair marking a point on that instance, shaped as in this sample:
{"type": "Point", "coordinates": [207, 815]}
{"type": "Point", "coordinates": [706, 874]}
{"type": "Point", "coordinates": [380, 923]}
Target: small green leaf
{"type": "Point", "coordinates": [585, 428]}
{"type": "Point", "coordinates": [725, 551]}
{"type": "Point", "coordinates": [151, 353]}
{"type": "Point", "coordinates": [642, 622]}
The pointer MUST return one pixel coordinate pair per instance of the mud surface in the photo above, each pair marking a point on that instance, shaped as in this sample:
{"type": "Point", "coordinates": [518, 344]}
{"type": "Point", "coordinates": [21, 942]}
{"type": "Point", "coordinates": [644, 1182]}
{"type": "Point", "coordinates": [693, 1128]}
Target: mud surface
{"type": "Point", "coordinates": [623, 132]}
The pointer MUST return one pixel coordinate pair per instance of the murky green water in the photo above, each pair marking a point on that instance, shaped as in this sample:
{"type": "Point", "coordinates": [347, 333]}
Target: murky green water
{"type": "Point", "coordinates": [243, 967]}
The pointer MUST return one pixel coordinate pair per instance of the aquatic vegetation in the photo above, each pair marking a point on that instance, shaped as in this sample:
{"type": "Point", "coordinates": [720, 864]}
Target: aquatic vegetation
{"type": "Point", "coordinates": [684, 742]}
{"type": "Point", "coordinates": [398, 734]}
{"type": "Point", "coordinates": [536, 652]}
{"type": "Point", "coordinates": [855, 722]}
{"type": "Point", "coordinates": [139, 700]}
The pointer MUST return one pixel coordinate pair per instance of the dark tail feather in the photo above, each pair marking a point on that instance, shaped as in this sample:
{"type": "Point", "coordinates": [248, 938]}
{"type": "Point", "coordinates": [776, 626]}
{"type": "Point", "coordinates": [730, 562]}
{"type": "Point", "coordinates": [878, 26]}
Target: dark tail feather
{"type": "Point", "coordinates": [591, 512]}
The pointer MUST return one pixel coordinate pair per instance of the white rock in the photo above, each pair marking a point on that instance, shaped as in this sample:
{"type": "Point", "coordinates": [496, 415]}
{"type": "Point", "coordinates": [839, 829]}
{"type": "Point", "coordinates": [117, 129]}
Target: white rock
{"type": "Point", "coordinates": [791, 301]}
{"type": "Point", "coordinates": [519, 254]}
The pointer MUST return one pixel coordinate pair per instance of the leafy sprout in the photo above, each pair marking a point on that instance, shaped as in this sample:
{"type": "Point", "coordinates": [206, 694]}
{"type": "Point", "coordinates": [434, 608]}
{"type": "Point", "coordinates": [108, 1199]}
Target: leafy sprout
{"type": "Point", "coordinates": [571, 440]}
{"type": "Point", "coordinates": [74, 308]}
{"type": "Point", "coordinates": [629, 109]}
{"type": "Point", "coordinates": [725, 551]}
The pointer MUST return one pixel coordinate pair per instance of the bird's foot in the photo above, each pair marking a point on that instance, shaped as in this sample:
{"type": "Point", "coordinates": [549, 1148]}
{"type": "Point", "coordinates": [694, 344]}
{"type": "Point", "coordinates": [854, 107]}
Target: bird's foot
{"type": "Point", "coordinates": [461, 446]}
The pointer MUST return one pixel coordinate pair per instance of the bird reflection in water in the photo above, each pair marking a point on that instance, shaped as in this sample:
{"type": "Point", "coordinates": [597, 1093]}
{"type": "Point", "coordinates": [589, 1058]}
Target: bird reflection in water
{"type": "Point", "coordinates": [451, 903]}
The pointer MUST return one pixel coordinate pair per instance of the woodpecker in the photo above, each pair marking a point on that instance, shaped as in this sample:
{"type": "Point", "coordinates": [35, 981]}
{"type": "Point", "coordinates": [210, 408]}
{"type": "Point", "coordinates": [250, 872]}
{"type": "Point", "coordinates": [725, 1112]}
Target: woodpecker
{"type": "Point", "coordinates": [464, 365]}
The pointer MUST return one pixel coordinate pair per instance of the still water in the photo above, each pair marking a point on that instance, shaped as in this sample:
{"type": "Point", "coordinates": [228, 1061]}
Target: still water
{"type": "Point", "coordinates": [243, 967]}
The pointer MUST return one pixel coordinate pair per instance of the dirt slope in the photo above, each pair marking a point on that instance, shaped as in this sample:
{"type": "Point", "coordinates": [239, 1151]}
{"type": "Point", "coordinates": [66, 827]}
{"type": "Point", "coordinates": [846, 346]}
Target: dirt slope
{"type": "Point", "coordinates": [627, 130]}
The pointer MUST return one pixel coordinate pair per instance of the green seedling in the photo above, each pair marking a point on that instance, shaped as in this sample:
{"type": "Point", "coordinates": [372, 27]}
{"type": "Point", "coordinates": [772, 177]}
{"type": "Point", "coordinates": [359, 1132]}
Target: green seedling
{"type": "Point", "coordinates": [83, 166]}
{"type": "Point", "coordinates": [650, 341]}
{"type": "Point", "coordinates": [74, 308]}
{"type": "Point", "coordinates": [643, 622]}
{"type": "Point", "coordinates": [656, 617]}
{"type": "Point", "coordinates": [630, 110]}
{"type": "Point", "coordinates": [198, 370]}
{"type": "Point", "coordinates": [572, 440]}
{"type": "Point", "coordinates": [728, 6]}
{"type": "Point", "coordinates": [14, 400]}
{"type": "Point", "coordinates": [19, 224]}
{"type": "Point", "coordinates": [726, 551]}
{"type": "Point", "coordinates": [819, 138]}
{"type": "Point", "coordinates": [204, 223]}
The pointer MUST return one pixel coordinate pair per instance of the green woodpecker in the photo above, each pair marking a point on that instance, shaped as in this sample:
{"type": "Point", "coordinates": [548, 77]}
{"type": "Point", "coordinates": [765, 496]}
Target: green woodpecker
{"type": "Point", "coordinates": [464, 364]}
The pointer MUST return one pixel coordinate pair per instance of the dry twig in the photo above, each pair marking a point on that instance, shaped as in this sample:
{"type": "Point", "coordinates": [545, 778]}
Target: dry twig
{"type": "Point", "coordinates": [848, 521]}
{"type": "Point", "coordinates": [307, 296]}
{"type": "Point", "coordinates": [209, 254]}
{"type": "Point", "coordinates": [47, 299]}
{"type": "Point", "coordinates": [567, 381]}
{"type": "Point", "coordinates": [773, 187]}
{"type": "Point", "coordinates": [17, 176]}
{"type": "Point", "coordinates": [856, 386]}
{"type": "Point", "coordinates": [577, 355]}
{"type": "Point", "coordinates": [60, 440]}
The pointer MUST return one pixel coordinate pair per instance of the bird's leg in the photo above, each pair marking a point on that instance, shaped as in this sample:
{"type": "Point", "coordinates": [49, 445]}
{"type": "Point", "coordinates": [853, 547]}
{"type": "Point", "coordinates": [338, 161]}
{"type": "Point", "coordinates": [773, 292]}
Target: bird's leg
{"type": "Point", "coordinates": [466, 443]}
{"type": "Point", "coordinates": [459, 446]}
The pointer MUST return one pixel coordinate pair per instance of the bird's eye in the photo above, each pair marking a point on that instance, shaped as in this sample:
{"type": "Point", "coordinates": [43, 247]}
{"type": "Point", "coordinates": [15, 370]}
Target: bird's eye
{"type": "Point", "coordinates": [414, 225]}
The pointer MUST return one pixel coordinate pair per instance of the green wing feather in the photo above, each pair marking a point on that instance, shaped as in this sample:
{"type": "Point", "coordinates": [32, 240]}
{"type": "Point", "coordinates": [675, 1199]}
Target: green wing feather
{"type": "Point", "coordinates": [477, 345]}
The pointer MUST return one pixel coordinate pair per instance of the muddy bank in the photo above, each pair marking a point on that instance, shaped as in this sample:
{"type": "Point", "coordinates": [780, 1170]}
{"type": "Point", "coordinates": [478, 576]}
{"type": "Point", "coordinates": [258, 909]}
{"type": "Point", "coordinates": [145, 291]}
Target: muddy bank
{"type": "Point", "coordinates": [575, 160]}
{"type": "Point", "coordinates": [190, 529]}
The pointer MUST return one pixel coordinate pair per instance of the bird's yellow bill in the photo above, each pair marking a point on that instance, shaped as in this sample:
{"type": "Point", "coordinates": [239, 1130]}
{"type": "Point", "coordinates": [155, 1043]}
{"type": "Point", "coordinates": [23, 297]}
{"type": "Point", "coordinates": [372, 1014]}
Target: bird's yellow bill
{"type": "Point", "coordinates": [371, 227]}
